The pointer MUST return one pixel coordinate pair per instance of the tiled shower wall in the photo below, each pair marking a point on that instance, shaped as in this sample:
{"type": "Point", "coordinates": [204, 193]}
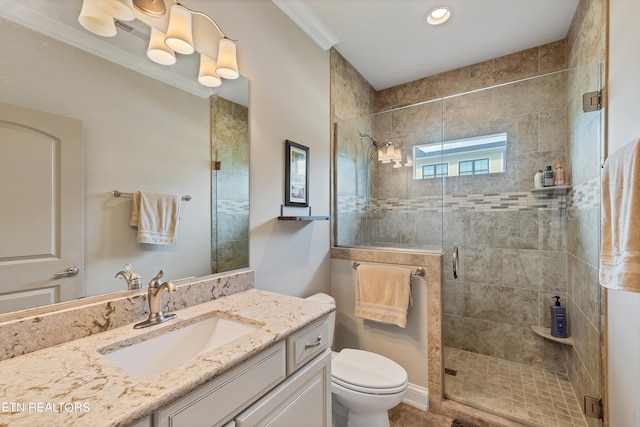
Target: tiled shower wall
{"type": "Point", "coordinates": [230, 185]}
{"type": "Point", "coordinates": [586, 44]}
{"type": "Point", "coordinates": [518, 247]}
{"type": "Point", "coordinates": [511, 241]}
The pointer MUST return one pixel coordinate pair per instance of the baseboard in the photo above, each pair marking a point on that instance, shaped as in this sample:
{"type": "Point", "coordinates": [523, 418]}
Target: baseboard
{"type": "Point", "coordinates": [417, 396]}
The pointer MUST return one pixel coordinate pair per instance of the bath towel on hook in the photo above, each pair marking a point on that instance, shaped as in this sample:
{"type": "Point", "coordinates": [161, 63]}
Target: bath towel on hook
{"type": "Point", "coordinates": [383, 293]}
{"type": "Point", "coordinates": [620, 242]}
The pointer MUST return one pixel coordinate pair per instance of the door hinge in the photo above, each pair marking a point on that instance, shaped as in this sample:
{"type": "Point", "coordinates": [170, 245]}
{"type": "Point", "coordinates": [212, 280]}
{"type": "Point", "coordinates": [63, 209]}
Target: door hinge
{"type": "Point", "coordinates": [215, 166]}
{"type": "Point", "coordinates": [593, 407]}
{"type": "Point", "coordinates": [592, 101]}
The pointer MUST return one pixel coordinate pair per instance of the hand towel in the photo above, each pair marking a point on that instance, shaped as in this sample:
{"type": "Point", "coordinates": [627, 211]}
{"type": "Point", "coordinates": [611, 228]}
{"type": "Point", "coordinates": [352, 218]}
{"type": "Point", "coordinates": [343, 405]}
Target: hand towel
{"type": "Point", "coordinates": [156, 215]}
{"type": "Point", "coordinates": [620, 239]}
{"type": "Point", "coordinates": [382, 293]}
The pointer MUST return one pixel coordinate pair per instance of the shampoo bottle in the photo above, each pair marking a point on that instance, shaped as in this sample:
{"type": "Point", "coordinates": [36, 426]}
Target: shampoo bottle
{"type": "Point", "coordinates": [537, 180]}
{"type": "Point", "coordinates": [547, 178]}
{"type": "Point", "coordinates": [558, 175]}
{"type": "Point", "coordinates": [558, 319]}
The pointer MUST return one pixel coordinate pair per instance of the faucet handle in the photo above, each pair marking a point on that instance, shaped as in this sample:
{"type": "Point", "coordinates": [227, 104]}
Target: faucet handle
{"type": "Point", "coordinates": [155, 282]}
{"type": "Point", "coordinates": [131, 277]}
{"type": "Point", "coordinates": [132, 274]}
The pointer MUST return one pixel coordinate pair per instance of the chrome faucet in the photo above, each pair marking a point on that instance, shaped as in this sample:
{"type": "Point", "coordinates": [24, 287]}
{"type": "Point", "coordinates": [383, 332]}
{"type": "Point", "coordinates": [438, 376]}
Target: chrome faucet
{"type": "Point", "coordinates": [154, 295]}
{"type": "Point", "coordinates": [131, 277]}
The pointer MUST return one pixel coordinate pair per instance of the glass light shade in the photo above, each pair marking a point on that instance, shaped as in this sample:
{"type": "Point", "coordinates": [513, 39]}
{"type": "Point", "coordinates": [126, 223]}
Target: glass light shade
{"type": "Point", "coordinates": [179, 35]}
{"type": "Point", "coordinates": [93, 19]}
{"type": "Point", "coordinates": [409, 160]}
{"type": "Point", "coordinates": [207, 75]}
{"type": "Point", "coordinates": [119, 9]}
{"type": "Point", "coordinates": [227, 60]}
{"type": "Point", "coordinates": [388, 154]}
{"type": "Point", "coordinates": [158, 51]}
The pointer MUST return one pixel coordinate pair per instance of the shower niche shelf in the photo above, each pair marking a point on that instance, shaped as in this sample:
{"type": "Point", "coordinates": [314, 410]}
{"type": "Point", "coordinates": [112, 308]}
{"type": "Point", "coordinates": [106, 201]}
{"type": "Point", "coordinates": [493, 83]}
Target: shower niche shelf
{"type": "Point", "coordinates": [309, 217]}
{"type": "Point", "coordinates": [546, 333]}
{"type": "Point", "coordinates": [560, 189]}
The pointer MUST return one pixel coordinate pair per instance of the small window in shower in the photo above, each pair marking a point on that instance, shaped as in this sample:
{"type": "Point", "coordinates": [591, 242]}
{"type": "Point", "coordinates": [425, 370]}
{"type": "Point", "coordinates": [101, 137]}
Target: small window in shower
{"type": "Point", "coordinates": [473, 167]}
{"type": "Point", "coordinates": [435, 170]}
{"type": "Point", "coordinates": [470, 156]}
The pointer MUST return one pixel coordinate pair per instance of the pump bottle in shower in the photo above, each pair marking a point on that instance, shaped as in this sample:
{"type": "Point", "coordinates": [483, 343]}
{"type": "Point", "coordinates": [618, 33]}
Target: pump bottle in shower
{"type": "Point", "coordinates": [558, 319]}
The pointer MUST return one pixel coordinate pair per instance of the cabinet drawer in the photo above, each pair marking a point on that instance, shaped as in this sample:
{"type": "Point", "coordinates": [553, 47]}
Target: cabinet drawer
{"type": "Point", "coordinates": [227, 395]}
{"type": "Point", "coordinates": [307, 343]}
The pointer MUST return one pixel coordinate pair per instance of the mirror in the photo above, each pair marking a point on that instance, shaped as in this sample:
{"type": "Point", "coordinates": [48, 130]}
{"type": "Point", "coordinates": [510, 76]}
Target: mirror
{"type": "Point", "coordinates": [139, 133]}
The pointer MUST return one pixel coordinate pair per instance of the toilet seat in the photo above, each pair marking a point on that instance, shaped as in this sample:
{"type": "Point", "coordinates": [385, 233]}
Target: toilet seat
{"type": "Point", "coordinates": [368, 372]}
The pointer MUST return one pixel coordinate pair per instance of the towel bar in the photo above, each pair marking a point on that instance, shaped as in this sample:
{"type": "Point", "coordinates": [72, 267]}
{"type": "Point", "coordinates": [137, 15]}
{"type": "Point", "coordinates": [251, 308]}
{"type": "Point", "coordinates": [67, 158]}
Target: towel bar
{"type": "Point", "coordinates": [420, 271]}
{"type": "Point", "coordinates": [117, 193]}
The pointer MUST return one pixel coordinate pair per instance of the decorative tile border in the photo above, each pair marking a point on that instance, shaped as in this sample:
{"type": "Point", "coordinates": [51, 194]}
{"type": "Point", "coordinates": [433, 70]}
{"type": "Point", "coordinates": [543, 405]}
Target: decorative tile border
{"type": "Point", "coordinates": [233, 206]}
{"type": "Point", "coordinates": [485, 202]}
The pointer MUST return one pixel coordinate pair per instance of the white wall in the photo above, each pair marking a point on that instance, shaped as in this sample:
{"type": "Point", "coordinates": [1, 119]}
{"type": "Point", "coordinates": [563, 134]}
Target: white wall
{"type": "Point", "coordinates": [289, 99]}
{"type": "Point", "coordinates": [623, 307]}
{"type": "Point", "coordinates": [407, 346]}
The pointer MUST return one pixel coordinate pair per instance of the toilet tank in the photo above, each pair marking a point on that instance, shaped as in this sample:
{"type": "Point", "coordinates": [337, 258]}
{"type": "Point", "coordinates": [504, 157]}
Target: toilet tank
{"type": "Point", "coordinates": [327, 299]}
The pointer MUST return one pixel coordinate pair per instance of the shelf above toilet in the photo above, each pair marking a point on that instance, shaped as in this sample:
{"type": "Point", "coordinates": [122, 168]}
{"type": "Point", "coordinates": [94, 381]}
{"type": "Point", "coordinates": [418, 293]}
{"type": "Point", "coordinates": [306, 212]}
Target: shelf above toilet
{"type": "Point", "coordinates": [546, 333]}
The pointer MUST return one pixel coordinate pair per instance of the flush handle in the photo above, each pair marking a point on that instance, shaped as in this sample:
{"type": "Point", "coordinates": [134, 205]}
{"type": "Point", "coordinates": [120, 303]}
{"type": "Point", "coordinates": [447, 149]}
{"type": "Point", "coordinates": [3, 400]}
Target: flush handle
{"type": "Point", "coordinates": [315, 344]}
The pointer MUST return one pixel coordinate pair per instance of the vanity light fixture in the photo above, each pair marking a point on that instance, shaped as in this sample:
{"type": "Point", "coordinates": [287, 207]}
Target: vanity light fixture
{"type": "Point", "coordinates": [438, 15]}
{"type": "Point", "coordinates": [97, 16]}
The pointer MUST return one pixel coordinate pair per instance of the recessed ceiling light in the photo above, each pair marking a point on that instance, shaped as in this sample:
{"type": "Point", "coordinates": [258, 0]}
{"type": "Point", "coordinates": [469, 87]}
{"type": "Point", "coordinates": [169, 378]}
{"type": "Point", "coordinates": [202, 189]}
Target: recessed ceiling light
{"type": "Point", "coordinates": [438, 15]}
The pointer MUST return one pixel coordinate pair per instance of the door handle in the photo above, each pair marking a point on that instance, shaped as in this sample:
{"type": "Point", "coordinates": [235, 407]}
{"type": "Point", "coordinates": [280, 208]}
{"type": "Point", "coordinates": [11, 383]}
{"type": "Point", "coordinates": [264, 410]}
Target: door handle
{"type": "Point", "coordinates": [71, 271]}
{"type": "Point", "coordinates": [455, 261]}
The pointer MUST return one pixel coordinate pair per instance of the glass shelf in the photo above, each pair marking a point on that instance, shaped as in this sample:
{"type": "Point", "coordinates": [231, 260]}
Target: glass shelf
{"type": "Point", "coordinates": [308, 217]}
{"type": "Point", "coordinates": [553, 189]}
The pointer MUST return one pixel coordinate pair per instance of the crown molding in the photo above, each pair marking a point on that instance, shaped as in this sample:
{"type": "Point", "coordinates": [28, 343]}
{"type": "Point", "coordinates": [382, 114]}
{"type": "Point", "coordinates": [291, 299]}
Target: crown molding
{"type": "Point", "coordinates": [305, 18]}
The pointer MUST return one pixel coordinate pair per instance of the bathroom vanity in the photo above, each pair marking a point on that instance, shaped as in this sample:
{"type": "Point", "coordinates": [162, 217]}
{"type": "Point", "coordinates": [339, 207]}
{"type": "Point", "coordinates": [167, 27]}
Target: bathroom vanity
{"type": "Point", "coordinates": [277, 370]}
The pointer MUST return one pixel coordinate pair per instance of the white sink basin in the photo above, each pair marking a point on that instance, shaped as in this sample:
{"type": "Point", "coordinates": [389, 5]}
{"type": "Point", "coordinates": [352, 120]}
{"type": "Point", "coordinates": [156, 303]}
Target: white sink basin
{"type": "Point", "coordinates": [157, 354]}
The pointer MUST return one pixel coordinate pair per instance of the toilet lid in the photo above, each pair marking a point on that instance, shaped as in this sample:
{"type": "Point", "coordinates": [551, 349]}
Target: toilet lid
{"type": "Point", "coordinates": [367, 372]}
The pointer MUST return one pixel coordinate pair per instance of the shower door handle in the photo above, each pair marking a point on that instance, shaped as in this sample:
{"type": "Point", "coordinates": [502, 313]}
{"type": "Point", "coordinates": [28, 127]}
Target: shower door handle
{"type": "Point", "coordinates": [455, 261]}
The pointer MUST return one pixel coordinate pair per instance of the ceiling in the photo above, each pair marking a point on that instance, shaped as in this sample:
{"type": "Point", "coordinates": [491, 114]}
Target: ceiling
{"type": "Point", "coordinates": [389, 43]}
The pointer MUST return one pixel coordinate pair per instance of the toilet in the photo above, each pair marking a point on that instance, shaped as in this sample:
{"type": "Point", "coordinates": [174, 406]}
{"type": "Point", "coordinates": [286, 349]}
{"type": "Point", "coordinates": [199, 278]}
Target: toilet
{"type": "Point", "coordinates": [364, 385]}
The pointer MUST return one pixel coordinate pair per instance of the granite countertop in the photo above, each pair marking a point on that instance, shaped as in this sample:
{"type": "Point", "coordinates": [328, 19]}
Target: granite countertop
{"type": "Point", "coordinates": [72, 384]}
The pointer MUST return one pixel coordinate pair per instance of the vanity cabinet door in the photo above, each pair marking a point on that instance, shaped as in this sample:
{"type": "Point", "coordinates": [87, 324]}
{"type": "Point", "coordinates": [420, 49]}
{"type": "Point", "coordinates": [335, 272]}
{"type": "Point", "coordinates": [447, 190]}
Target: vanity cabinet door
{"type": "Point", "coordinates": [222, 398]}
{"type": "Point", "coordinates": [304, 399]}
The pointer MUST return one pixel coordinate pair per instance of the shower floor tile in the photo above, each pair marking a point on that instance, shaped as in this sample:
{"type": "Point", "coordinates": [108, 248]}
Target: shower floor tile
{"type": "Point", "coordinates": [525, 394]}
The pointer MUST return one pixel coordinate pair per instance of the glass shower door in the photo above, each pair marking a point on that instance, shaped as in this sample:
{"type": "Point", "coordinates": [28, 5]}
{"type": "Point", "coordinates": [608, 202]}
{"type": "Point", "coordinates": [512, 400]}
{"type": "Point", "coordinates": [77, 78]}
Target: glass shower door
{"type": "Point", "coordinates": [518, 247]}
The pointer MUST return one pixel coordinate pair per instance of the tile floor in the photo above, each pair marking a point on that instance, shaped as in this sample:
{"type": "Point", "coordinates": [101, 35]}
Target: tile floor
{"type": "Point", "coordinates": [407, 416]}
{"type": "Point", "coordinates": [519, 392]}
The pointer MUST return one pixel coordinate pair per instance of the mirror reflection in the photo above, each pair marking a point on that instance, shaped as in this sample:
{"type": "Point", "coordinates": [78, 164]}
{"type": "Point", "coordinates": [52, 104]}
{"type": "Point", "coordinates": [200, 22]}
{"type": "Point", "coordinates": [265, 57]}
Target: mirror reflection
{"type": "Point", "coordinates": [137, 134]}
{"type": "Point", "coordinates": [478, 155]}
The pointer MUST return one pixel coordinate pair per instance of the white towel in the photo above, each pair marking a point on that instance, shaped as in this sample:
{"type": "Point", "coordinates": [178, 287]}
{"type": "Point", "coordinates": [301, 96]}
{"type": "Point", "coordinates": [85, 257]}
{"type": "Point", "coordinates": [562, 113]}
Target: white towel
{"type": "Point", "coordinates": [382, 293]}
{"type": "Point", "coordinates": [620, 242]}
{"type": "Point", "coordinates": [156, 215]}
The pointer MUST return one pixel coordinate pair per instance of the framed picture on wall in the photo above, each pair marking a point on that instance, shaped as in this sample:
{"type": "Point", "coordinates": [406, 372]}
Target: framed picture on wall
{"type": "Point", "coordinates": [296, 175]}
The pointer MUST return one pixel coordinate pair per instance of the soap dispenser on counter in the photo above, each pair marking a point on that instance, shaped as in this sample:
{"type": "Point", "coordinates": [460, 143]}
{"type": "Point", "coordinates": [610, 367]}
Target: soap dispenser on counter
{"type": "Point", "coordinates": [558, 319]}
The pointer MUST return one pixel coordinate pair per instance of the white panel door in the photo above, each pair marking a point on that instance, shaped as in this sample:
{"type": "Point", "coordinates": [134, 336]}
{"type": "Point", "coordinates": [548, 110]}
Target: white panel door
{"type": "Point", "coordinates": [41, 209]}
